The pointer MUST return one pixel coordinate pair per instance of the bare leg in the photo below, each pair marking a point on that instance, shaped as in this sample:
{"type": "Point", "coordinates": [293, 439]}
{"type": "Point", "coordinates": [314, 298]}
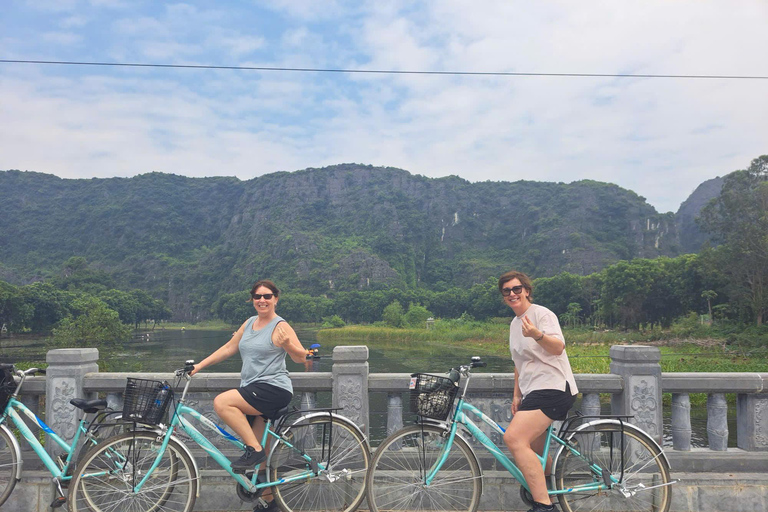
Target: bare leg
{"type": "Point", "coordinates": [538, 447]}
{"type": "Point", "coordinates": [232, 408]}
{"type": "Point", "coordinates": [524, 429]}
{"type": "Point", "coordinates": [259, 425]}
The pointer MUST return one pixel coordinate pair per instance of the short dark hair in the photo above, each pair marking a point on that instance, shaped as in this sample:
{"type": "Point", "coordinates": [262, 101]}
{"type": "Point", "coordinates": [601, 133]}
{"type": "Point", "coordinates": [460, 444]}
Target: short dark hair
{"type": "Point", "coordinates": [524, 280]}
{"type": "Point", "coordinates": [267, 284]}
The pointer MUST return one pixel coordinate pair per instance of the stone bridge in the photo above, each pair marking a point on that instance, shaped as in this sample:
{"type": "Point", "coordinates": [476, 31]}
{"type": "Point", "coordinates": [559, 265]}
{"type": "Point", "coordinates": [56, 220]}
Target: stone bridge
{"type": "Point", "coordinates": [712, 478]}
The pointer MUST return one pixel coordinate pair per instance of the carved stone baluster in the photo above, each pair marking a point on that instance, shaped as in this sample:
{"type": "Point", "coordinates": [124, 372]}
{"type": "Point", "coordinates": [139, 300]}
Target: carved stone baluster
{"type": "Point", "coordinates": [717, 422]}
{"type": "Point", "coordinates": [681, 421]}
{"type": "Point", "coordinates": [308, 400]}
{"type": "Point", "coordinates": [394, 413]}
{"type": "Point", "coordinates": [115, 401]}
{"type": "Point", "coordinates": [590, 406]}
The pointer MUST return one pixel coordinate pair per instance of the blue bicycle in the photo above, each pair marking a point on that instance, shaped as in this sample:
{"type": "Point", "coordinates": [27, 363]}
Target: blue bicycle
{"type": "Point", "coordinates": [10, 451]}
{"type": "Point", "coordinates": [601, 463]}
{"type": "Point", "coordinates": [317, 461]}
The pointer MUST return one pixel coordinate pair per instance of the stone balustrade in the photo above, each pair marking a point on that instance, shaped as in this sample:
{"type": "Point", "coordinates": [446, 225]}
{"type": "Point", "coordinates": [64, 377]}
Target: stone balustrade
{"type": "Point", "coordinates": [379, 402]}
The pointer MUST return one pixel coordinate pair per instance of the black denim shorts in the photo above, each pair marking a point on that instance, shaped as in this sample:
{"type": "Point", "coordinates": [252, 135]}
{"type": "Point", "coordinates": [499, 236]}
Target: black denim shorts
{"type": "Point", "coordinates": [265, 398]}
{"type": "Point", "coordinates": [552, 402]}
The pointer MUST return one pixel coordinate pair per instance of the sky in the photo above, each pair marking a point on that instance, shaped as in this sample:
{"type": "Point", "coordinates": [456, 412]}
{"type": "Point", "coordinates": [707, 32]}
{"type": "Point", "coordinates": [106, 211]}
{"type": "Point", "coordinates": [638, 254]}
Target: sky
{"type": "Point", "coordinates": [660, 137]}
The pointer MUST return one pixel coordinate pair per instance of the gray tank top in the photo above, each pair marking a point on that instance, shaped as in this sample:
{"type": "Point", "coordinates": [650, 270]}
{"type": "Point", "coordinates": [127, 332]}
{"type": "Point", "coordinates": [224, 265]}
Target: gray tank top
{"type": "Point", "coordinates": [262, 360]}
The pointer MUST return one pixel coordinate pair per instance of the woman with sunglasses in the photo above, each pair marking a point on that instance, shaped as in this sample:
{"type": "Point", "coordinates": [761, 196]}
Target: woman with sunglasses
{"type": "Point", "coordinates": [544, 385]}
{"type": "Point", "coordinates": [265, 387]}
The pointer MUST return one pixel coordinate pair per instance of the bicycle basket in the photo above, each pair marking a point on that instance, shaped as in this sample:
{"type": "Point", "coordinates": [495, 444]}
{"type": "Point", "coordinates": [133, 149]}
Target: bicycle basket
{"type": "Point", "coordinates": [432, 396]}
{"type": "Point", "coordinates": [7, 386]}
{"type": "Point", "coordinates": [146, 401]}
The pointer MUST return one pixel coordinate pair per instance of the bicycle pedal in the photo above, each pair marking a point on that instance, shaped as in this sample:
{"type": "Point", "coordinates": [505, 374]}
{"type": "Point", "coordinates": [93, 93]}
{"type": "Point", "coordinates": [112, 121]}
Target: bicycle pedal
{"type": "Point", "coordinates": [59, 501]}
{"type": "Point", "coordinates": [607, 478]}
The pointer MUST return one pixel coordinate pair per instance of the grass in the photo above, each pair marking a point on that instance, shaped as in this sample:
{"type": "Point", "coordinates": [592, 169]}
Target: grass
{"type": "Point", "coordinates": [208, 325]}
{"type": "Point", "coordinates": [588, 350]}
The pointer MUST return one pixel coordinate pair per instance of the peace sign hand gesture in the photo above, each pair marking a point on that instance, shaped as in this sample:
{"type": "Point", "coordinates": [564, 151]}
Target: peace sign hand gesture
{"type": "Point", "coordinates": [530, 330]}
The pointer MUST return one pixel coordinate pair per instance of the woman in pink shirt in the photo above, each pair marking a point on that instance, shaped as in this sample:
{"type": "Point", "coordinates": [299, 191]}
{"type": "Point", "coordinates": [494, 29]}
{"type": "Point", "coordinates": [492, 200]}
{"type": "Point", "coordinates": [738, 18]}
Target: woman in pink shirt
{"type": "Point", "coordinates": [544, 385]}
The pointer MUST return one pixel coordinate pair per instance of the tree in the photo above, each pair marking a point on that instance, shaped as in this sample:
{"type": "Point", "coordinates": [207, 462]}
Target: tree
{"type": "Point", "coordinates": [15, 313]}
{"type": "Point", "coordinates": [393, 314]}
{"type": "Point", "coordinates": [738, 218]}
{"type": "Point", "coordinates": [417, 316]}
{"type": "Point", "coordinates": [571, 316]}
{"type": "Point", "coordinates": [50, 305]}
{"type": "Point", "coordinates": [93, 322]}
{"type": "Point", "coordinates": [709, 296]}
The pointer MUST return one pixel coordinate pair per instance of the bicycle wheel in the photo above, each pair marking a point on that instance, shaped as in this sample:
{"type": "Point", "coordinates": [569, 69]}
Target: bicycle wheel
{"type": "Point", "coordinates": [400, 464]}
{"type": "Point", "coordinates": [9, 461]}
{"type": "Point", "coordinates": [106, 476]}
{"type": "Point", "coordinates": [632, 458]}
{"type": "Point", "coordinates": [342, 455]}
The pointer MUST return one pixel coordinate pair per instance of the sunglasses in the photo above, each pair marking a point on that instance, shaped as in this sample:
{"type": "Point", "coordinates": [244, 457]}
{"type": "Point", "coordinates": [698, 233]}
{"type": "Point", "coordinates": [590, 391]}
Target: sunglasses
{"type": "Point", "coordinates": [267, 296]}
{"type": "Point", "coordinates": [517, 290]}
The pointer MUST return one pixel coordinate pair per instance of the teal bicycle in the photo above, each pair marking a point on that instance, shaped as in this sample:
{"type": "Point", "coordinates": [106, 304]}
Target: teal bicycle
{"type": "Point", "coordinates": [317, 460]}
{"type": "Point", "coordinates": [601, 463]}
{"type": "Point", "coordinates": [61, 468]}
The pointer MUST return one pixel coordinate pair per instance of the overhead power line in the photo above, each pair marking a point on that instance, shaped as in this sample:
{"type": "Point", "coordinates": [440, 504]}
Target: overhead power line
{"type": "Point", "coordinates": [377, 71]}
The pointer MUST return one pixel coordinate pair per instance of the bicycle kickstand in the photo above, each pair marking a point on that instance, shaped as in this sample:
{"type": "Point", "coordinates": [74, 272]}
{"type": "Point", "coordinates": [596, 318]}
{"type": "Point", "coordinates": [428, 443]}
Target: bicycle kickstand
{"type": "Point", "coordinates": [60, 500]}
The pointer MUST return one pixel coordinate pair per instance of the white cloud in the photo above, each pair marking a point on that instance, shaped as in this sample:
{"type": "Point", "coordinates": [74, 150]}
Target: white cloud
{"type": "Point", "coordinates": [659, 137]}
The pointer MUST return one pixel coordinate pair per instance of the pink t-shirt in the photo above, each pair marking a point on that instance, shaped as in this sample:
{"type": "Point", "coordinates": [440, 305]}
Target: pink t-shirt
{"type": "Point", "coordinates": [537, 368]}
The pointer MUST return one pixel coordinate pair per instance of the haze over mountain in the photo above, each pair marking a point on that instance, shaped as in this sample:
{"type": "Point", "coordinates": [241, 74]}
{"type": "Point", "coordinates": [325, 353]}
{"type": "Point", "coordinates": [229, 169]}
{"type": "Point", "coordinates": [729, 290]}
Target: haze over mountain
{"type": "Point", "coordinates": [317, 231]}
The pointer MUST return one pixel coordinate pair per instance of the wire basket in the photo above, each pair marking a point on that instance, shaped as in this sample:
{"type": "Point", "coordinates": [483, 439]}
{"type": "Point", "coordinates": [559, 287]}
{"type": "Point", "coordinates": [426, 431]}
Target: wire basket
{"type": "Point", "coordinates": [146, 401]}
{"type": "Point", "coordinates": [432, 396]}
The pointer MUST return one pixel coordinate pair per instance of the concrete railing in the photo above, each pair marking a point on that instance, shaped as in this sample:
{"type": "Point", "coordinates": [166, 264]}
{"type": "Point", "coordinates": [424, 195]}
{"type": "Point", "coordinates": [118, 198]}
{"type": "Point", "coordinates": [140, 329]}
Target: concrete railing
{"type": "Point", "coordinates": [634, 387]}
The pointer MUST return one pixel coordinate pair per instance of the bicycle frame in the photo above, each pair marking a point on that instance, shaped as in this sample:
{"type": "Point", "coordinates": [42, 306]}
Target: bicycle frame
{"type": "Point", "coordinates": [460, 417]}
{"type": "Point", "coordinates": [11, 412]}
{"type": "Point", "coordinates": [251, 484]}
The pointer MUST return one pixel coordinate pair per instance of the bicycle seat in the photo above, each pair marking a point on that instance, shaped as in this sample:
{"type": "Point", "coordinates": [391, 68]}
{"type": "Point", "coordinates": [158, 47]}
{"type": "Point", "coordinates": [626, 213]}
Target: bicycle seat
{"type": "Point", "coordinates": [89, 406]}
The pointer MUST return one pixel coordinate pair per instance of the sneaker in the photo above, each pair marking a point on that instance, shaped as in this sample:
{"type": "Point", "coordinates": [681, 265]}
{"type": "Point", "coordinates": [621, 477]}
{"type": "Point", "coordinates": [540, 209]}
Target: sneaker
{"type": "Point", "coordinates": [248, 460]}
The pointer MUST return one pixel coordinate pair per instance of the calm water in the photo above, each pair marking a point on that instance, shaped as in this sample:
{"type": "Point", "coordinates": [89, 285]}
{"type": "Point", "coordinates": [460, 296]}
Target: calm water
{"type": "Point", "coordinates": [164, 351]}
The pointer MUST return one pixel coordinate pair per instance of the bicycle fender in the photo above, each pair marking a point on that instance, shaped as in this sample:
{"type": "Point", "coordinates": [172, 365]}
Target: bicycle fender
{"type": "Point", "coordinates": [16, 448]}
{"type": "Point", "coordinates": [604, 421]}
{"type": "Point", "coordinates": [325, 415]}
{"type": "Point", "coordinates": [186, 449]}
{"type": "Point", "coordinates": [321, 415]}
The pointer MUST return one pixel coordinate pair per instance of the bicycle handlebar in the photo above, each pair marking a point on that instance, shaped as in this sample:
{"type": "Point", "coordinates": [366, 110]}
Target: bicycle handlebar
{"type": "Point", "coordinates": [30, 371]}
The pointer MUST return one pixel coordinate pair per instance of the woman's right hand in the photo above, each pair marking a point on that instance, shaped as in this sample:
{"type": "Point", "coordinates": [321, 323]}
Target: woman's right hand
{"type": "Point", "coordinates": [516, 403]}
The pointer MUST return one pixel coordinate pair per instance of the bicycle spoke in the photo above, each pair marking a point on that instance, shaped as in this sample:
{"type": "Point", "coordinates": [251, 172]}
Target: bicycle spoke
{"type": "Point", "coordinates": [402, 462]}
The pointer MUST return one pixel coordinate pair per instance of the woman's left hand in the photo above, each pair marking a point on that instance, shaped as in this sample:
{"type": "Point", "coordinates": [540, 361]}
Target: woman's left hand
{"type": "Point", "coordinates": [529, 330]}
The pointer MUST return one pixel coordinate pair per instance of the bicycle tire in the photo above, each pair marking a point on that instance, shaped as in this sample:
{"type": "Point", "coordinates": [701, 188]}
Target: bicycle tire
{"type": "Point", "coordinates": [339, 488]}
{"type": "Point", "coordinates": [643, 463]}
{"type": "Point", "coordinates": [104, 479]}
{"type": "Point", "coordinates": [395, 480]}
{"type": "Point", "coordinates": [9, 460]}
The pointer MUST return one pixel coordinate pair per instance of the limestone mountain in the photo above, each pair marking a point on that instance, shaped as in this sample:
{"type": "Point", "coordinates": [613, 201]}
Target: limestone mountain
{"type": "Point", "coordinates": [343, 227]}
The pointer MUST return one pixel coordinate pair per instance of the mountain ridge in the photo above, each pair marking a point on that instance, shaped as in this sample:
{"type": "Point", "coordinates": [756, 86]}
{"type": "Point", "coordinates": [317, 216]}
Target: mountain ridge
{"type": "Point", "coordinates": [320, 230]}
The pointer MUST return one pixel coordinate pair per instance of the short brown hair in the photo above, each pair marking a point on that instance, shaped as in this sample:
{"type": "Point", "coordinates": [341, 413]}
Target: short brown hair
{"type": "Point", "coordinates": [524, 280]}
{"type": "Point", "coordinates": [267, 284]}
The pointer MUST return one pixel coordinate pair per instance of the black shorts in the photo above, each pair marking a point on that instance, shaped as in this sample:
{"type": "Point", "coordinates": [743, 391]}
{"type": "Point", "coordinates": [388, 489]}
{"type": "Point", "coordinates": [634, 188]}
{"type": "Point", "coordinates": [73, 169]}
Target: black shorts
{"type": "Point", "coordinates": [265, 398]}
{"type": "Point", "coordinates": [552, 402]}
